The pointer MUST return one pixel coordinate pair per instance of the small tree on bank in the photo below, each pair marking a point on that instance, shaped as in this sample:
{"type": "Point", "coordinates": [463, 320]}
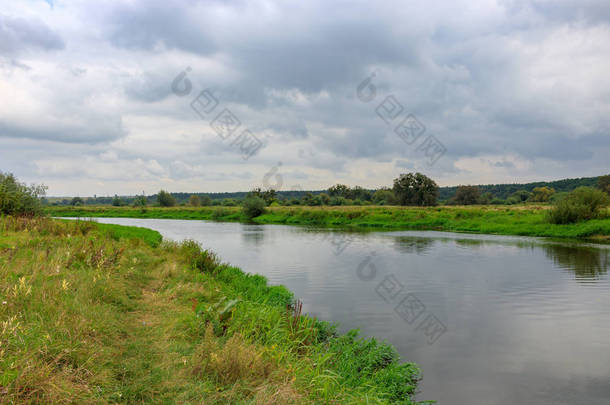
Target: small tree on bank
{"type": "Point", "coordinates": [581, 204]}
{"type": "Point", "coordinates": [194, 200]}
{"type": "Point", "coordinates": [165, 199]}
{"type": "Point", "coordinates": [415, 189]}
{"type": "Point", "coordinates": [19, 199]}
{"type": "Point", "coordinates": [253, 206]}
{"type": "Point", "coordinates": [77, 202]}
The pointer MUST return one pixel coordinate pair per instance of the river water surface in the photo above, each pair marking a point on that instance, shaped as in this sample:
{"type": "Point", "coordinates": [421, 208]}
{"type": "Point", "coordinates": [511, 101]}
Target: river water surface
{"type": "Point", "coordinates": [490, 319]}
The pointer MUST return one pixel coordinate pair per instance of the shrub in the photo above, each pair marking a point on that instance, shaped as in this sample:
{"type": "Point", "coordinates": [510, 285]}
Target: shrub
{"type": "Point", "coordinates": [140, 201]}
{"type": "Point", "coordinates": [228, 202]}
{"type": "Point", "coordinates": [194, 200]}
{"type": "Point", "coordinates": [253, 207]}
{"type": "Point", "coordinates": [77, 202]}
{"type": "Point", "coordinates": [199, 259]}
{"type": "Point", "coordinates": [582, 204]}
{"type": "Point", "coordinates": [165, 199]}
{"type": "Point", "coordinates": [19, 199]}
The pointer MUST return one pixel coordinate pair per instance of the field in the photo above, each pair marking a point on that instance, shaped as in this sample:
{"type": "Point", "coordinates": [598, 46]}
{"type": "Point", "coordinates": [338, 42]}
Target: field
{"type": "Point", "coordinates": [525, 220]}
{"type": "Point", "coordinates": [109, 314]}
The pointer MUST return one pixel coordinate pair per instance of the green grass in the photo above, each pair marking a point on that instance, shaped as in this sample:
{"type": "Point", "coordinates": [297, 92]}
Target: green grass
{"type": "Point", "coordinates": [107, 314]}
{"type": "Point", "coordinates": [528, 220]}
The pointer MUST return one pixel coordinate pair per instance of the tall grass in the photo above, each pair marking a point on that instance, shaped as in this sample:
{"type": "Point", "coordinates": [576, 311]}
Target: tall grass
{"type": "Point", "coordinates": [92, 315]}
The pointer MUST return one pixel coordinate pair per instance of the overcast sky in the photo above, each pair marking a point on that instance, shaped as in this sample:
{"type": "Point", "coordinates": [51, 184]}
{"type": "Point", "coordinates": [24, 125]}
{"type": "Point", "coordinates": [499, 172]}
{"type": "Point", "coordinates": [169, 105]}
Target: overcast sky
{"type": "Point", "coordinates": [504, 91]}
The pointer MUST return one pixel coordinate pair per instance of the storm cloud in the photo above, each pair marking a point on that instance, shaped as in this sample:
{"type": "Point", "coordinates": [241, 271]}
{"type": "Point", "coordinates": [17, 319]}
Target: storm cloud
{"type": "Point", "coordinates": [515, 90]}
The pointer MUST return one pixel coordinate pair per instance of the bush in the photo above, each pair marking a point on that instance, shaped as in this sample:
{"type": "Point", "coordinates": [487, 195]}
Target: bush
{"type": "Point", "coordinates": [77, 202]}
{"type": "Point", "coordinates": [253, 207]}
{"type": "Point", "coordinates": [165, 199]}
{"type": "Point", "coordinates": [195, 201]}
{"type": "Point", "coordinates": [140, 201]}
{"type": "Point", "coordinates": [582, 204]}
{"type": "Point", "coordinates": [541, 194]}
{"type": "Point", "coordinates": [17, 198]}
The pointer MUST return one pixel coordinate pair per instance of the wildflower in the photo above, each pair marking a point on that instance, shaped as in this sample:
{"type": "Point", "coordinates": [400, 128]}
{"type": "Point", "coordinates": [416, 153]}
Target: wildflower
{"type": "Point", "coordinates": [65, 284]}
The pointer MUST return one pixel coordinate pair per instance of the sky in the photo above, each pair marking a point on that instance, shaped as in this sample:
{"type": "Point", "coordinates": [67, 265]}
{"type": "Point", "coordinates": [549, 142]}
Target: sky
{"type": "Point", "coordinates": [125, 97]}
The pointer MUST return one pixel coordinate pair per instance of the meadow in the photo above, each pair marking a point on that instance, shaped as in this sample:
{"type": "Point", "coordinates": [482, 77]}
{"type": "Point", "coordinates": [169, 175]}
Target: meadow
{"type": "Point", "coordinates": [102, 314]}
{"type": "Point", "coordinates": [524, 220]}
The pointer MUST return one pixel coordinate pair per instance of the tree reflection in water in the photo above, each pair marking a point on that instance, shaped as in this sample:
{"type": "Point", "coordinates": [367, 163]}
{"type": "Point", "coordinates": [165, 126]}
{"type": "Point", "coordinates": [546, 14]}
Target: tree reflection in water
{"type": "Point", "coordinates": [585, 262]}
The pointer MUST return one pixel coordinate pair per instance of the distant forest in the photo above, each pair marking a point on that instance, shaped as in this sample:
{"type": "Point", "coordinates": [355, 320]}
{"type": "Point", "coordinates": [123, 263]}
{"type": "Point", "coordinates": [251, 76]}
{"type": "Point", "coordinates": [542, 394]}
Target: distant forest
{"type": "Point", "coordinates": [501, 191]}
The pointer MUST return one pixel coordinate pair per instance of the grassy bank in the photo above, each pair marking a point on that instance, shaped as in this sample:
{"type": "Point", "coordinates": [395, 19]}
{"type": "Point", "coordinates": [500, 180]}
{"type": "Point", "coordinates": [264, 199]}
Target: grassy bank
{"type": "Point", "coordinates": [108, 314]}
{"type": "Point", "coordinates": [529, 220]}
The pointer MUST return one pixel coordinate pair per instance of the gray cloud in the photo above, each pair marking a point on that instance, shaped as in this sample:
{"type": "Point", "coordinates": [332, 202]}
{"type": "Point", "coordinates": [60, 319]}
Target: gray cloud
{"type": "Point", "coordinates": [517, 87]}
{"type": "Point", "coordinates": [20, 34]}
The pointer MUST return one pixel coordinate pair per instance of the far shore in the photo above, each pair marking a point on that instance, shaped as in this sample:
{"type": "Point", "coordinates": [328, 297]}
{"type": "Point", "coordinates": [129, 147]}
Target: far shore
{"type": "Point", "coordinates": [520, 220]}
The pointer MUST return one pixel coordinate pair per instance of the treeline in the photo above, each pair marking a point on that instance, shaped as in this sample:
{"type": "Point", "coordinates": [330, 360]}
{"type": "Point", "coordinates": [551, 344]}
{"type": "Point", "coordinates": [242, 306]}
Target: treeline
{"type": "Point", "coordinates": [341, 194]}
{"type": "Point", "coordinates": [504, 191]}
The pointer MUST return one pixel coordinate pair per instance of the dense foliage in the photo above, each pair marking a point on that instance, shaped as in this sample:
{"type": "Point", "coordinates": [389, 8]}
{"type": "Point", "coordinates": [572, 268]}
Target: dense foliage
{"type": "Point", "coordinates": [584, 203]}
{"type": "Point", "coordinates": [19, 199]}
{"type": "Point", "coordinates": [165, 199]}
{"type": "Point", "coordinates": [603, 183]}
{"type": "Point", "coordinates": [504, 191]}
{"type": "Point", "coordinates": [253, 206]}
{"type": "Point", "coordinates": [466, 195]}
{"type": "Point", "coordinates": [341, 194]}
{"type": "Point", "coordinates": [415, 189]}
{"type": "Point", "coordinates": [194, 201]}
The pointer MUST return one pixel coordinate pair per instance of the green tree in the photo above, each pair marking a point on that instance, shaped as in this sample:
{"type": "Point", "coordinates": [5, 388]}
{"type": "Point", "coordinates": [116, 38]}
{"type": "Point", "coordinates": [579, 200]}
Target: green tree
{"type": "Point", "coordinates": [324, 198]}
{"type": "Point", "coordinates": [253, 206]}
{"type": "Point", "coordinates": [206, 201]}
{"type": "Point", "coordinates": [19, 199]}
{"type": "Point", "coordinates": [486, 198]}
{"type": "Point", "coordinates": [194, 200]}
{"type": "Point", "coordinates": [581, 204]}
{"type": "Point", "coordinates": [228, 202]}
{"type": "Point", "coordinates": [339, 190]}
{"type": "Point", "coordinates": [165, 199]}
{"type": "Point", "coordinates": [140, 201]}
{"type": "Point", "coordinates": [268, 195]}
{"type": "Point", "coordinates": [384, 196]}
{"type": "Point", "coordinates": [521, 195]}
{"type": "Point", "coordinates": [466, 195]}
{"type": "Point", "coordinates": [603, 183]}
{"type": "Point", "coordinates": [116, 201]}
{"type": "Point", "coordinates": [541, 194]}
{"type": "Point", "coordinates": [359, 193]}
{"type": "Point", "coordinates": [415, 189]}
{"type": "Point", "coordinates": [77, 202]}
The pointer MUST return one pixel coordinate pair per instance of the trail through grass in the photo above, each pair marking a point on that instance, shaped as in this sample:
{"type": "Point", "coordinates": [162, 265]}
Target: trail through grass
{"type": "Point", "coordinates": [92, 314]}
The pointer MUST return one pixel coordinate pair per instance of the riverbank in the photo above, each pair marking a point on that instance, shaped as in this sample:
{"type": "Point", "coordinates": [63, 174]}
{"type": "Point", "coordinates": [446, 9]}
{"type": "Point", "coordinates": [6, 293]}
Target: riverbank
{"type": "Point", "coordinates": [97, 313]}
{"type": "Point", "coordinates": [523, 220]}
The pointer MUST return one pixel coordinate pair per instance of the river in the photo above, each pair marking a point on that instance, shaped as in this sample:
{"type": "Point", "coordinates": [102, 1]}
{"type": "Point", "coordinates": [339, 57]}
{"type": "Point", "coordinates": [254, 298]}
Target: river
{"type": "Point", "coordinates": [490, 319]}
